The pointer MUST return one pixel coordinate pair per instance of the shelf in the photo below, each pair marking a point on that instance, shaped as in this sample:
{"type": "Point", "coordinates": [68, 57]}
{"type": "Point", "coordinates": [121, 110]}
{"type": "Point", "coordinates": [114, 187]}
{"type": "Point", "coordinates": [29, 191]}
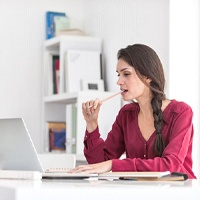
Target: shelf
{"type": "Point", "coordinates": [69, 98]}
{"type": "Point", "coordinates": [59, 46]}
{"type": "Point", "coordinates": [66, 106]}
{"type": "Point", "coordinates": [65, 98]}
{"type": "Point", "coordinates": [84, 42]}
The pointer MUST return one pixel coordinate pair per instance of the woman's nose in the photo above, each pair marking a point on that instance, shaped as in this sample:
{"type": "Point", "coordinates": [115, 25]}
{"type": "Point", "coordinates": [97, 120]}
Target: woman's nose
{"type": "Point", "coordinates": [119, 81]}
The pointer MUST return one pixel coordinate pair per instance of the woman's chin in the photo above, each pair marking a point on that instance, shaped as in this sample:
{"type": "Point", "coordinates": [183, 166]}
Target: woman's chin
{"type": "Point", "coordinates": [128, 98]}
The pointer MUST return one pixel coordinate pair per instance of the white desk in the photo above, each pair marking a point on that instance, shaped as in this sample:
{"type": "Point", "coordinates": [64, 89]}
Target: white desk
{"type": "Point", "coordinates": [97, 190]}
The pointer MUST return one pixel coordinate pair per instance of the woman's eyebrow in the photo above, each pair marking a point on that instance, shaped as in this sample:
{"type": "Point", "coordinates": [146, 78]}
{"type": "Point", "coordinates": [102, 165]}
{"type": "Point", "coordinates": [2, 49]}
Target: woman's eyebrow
{"type": "Point", "coordinates": [123, 69]}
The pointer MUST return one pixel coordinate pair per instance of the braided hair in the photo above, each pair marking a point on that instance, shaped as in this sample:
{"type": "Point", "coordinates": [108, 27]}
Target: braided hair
{"type": "Point", "coordinates": [147, 63]}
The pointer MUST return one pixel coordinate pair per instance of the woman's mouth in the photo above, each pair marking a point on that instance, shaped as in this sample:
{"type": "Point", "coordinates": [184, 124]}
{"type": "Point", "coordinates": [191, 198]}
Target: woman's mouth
{"type": "Point", "coordinates": [124, 91]}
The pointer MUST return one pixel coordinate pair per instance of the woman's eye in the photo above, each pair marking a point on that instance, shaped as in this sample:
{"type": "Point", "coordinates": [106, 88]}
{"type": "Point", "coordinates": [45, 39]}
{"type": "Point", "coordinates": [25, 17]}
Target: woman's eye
{"type": "Point", "coordinates": [125, 74]}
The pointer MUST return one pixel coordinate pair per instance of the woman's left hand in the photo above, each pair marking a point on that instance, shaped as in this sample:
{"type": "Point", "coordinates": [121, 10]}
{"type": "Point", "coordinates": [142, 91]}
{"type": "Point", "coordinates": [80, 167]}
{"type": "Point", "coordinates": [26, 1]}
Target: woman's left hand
{"type": "Point", "coordinates": [97, 168]}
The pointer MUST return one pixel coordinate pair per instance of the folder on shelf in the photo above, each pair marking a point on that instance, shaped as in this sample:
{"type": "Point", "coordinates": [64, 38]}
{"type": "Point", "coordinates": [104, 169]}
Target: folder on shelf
{"type": "Point", "coordinates": [81, 65]}
{"type": "Point", "coordinates": [71, 139]}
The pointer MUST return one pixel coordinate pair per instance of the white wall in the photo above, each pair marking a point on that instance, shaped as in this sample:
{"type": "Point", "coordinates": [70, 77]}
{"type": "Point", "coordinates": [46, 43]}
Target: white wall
{"type": "Point", "coordinates": [184, 73]}
{"type": "Point", "coordinates": [121, 23]}
{"type": "Point", "coordinates": [158, 24]}
{"type": "Point", "coordinates": [22, 34]}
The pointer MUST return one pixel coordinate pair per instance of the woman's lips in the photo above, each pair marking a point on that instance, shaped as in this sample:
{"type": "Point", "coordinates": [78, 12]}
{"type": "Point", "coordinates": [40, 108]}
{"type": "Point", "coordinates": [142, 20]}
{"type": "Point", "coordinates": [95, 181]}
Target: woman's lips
{"type": "Point", "coordinates": [124, 91]}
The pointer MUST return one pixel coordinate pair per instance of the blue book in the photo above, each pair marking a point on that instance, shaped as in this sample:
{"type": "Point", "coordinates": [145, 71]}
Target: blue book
{"type": "Point", "coordinates": [50, 23]}
{"type": "Point", "coordinates": [57, 135]}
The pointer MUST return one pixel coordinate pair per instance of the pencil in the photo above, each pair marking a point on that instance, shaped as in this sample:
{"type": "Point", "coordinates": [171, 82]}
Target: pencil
{"type": "Point", "coordinates": [109, 97]}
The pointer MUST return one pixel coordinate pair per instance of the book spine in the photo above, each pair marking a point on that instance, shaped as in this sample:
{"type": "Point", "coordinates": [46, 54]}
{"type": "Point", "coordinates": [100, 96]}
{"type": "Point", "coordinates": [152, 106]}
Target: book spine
{"type": "Point", "coordinates": [69, 128]}
{"type": "Point", "coordinates": [55, 69]}
{"type": "Point", "coordinates": [74, 124]}
{"type": "Point", "coordinates": [50, 23]}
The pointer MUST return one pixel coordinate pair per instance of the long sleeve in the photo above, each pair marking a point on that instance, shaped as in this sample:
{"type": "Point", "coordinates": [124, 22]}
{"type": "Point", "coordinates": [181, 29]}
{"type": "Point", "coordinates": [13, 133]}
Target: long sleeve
{"type": "Point", "coordinates": [125, 136]}
{"type": "Point", "coordinates": [97, 150]}
{"type": "Point", "coordinates": [178, 133]}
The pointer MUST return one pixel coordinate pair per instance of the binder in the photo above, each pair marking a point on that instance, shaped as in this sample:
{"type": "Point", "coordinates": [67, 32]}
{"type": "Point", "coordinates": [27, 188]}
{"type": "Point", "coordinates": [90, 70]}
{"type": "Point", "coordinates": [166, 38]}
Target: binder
{"type": "Point", "coordinates": [81, 65]}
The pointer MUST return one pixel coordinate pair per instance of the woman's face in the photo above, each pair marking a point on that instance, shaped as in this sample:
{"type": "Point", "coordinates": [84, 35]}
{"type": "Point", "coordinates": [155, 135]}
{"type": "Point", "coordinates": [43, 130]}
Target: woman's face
{"type": "Point", "coordinates": [129, 82]}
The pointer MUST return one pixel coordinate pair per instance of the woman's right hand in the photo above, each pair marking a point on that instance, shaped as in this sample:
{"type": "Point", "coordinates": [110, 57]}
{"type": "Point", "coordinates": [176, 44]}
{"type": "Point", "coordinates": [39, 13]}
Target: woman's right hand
{"type": "Point", "coordinates": [90, 110]}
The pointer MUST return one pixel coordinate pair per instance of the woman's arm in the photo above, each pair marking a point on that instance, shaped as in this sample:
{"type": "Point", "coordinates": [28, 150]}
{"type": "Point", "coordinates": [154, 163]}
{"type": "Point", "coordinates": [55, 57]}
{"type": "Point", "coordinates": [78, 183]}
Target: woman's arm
{"type": "Point", "coordinates": [177, 155]}
{"type": "Point", "coordinates": [97, 150]}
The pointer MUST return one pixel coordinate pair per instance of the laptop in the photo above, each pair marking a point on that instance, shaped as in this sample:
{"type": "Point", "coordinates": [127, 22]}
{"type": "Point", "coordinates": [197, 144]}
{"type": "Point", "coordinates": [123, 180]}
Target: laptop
{"type": "Point", "coordinates": [17, 151]}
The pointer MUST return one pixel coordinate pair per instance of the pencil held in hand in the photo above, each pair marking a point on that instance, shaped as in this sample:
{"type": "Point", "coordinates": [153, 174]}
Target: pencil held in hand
{"type": "Point", "coordinates": [109, 97]}
{"type": "Point", "coordinates": [103, 100]}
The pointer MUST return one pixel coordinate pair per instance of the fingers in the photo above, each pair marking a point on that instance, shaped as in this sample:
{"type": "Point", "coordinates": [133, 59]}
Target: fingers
{"type": "Point", "coordinates": [97, 168]}
{"type": "Point", "coordinates": [90, 106]}
{"type": "Point", "coordinates": [97, 102]}
{"type": "Point", "coordinates": [83, 169]}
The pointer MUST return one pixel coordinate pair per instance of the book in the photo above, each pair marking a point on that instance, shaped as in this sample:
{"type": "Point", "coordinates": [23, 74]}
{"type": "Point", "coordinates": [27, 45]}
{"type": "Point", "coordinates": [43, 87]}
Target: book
{"type": "Point", "coordinates": [50, 22]}
{"type": "Point", "coordinates": [70, 31]}
{"type": "Point", "coordinates": [57, 136]}
{"type": "Point", "coordinates": [145, 176]}
{"type": "Point", "coordinates": [56, 73]}
{"type": "Point", "coordinates": [61, 23]}
{"type": "Point", "coordinates": [53, 74]}
{"type": "Point", "coordinates": [136, 174]}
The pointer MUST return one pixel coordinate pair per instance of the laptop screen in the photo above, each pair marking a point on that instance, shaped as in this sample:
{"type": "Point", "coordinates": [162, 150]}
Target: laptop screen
{"type": "Point", "coordinates": [17, 151]}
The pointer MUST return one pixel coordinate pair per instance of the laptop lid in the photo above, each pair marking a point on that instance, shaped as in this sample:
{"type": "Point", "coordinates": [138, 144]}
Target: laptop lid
{"type": "Point", "coordinates": [17, 151]}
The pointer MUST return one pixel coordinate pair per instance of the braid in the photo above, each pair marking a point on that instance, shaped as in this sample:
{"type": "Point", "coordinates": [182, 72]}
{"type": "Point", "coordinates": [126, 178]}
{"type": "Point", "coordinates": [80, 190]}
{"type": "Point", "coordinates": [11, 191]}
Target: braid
{"type": "Point", "coordinates": [146, 63]}
{"type": "Point", "coordinates": [159, 144]}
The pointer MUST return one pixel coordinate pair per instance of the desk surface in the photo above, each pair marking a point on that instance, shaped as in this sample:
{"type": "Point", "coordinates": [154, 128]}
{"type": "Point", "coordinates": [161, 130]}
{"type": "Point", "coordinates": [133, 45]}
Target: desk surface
{"type": "Point", "coordinates": [97, 189]}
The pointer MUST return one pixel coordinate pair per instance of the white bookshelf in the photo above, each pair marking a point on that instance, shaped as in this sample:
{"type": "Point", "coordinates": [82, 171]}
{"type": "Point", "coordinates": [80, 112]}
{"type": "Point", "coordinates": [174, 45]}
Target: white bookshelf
{"type": "Point", "coordinates": [59, 46]}
{"type": "Point", "coordinates": [58, 108]}
{"type": "Point", "coordinates": [67, 107]}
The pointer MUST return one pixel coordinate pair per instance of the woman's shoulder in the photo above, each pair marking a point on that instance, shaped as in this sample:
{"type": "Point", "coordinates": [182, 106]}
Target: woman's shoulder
{"type": "Point", "coordinates": [176, 106]}
{"type": "Point", "coordinates": [128, 110]}
{"type": "Point", "coordinates": [132, 107]}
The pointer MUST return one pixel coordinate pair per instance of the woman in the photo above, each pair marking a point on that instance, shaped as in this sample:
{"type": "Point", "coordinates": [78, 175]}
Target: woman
{"type": "Point", "coordinates": [155, 133]}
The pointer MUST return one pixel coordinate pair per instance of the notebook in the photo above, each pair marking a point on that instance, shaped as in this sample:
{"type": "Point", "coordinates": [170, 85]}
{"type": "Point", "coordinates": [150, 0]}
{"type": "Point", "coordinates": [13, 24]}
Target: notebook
{"type": "Point", "coordinates": [145, 176]}
{"type": "Point", "coordinates": [18, 154]}
{"type": "Point", "coordinates": [135, 174]}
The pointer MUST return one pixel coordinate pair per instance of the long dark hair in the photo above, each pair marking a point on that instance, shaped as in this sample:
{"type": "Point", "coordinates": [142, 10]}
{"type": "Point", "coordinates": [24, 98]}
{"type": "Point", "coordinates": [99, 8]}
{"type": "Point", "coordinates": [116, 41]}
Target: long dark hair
{"type": "Point", "coordinates": [147, 63]}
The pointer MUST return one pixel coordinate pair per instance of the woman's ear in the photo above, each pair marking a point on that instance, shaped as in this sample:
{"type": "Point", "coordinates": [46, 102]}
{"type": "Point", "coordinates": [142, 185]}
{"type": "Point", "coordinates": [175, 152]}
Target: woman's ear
{"type": "Point", "coordinates": [148, 80]}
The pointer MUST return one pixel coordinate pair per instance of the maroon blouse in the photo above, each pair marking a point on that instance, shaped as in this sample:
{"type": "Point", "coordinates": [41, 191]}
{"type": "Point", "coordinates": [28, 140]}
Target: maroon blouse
{"type": "Point", "coordinates": [125, 137]}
